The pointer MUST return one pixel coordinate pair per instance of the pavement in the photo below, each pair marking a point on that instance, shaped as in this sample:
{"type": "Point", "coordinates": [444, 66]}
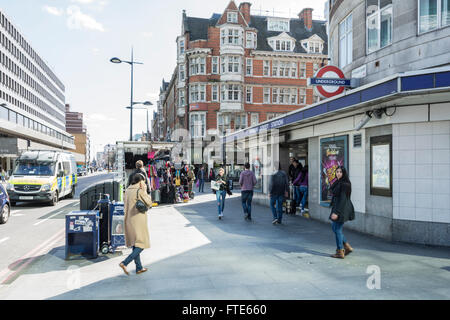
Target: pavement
{"type": "Point", "coordinates": [196, 256]}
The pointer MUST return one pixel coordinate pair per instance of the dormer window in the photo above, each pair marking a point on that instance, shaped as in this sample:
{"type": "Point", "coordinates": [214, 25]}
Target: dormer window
{"type": "Point", "coordinates": [278, 24]}
{"type": "Point", "coordinates": [282, 45]}
{"type": "Point", "coordinates": [313, 44]}
{"type": "Point", "coordinates": [232, 17]}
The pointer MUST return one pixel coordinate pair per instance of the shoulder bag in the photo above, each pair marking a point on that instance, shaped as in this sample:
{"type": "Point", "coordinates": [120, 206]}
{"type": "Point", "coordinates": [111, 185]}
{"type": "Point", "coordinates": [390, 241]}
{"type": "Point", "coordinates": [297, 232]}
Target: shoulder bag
{"type": "Point", "coordinates": [140, 205]}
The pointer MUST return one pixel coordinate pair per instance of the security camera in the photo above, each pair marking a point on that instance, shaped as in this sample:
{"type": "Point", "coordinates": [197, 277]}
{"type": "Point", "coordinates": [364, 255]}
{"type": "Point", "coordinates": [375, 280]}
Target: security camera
{"type": "Point", "coordinates": [378, 113]}
{"type": "Point", "coordinates": [363, 121]}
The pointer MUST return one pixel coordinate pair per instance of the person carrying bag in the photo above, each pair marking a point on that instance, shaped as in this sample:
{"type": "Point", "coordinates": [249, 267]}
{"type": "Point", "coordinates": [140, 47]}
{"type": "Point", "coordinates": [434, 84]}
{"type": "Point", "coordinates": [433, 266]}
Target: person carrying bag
{"type": "Point", "coordinates": [136, 203]}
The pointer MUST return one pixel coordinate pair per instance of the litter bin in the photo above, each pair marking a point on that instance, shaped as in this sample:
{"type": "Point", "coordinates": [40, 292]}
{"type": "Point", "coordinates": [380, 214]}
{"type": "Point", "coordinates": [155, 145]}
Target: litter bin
{"type": "Point", "coordinates": [82, 236]}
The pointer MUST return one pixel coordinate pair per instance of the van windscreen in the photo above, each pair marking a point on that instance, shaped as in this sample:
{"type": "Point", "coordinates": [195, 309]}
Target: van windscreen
{"type": "Point", "coordinates": [34, 168]}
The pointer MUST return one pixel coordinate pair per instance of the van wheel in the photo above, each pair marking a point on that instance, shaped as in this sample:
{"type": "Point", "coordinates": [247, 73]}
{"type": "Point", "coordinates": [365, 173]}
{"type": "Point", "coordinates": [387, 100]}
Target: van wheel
{"type": "Point", "coordinates": [54, 201]}
{"type": "Point", "coordinates": [4, 214]}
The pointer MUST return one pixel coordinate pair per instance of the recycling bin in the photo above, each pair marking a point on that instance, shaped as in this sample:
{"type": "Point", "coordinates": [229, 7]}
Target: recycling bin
{"type": "Point", "coordinates": [82, 234]}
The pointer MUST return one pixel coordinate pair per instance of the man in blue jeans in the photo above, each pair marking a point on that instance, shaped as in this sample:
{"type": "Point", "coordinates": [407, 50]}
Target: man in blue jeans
{"type": "Point", "coordinates": [278, 190]}
{"type": "Point", "coordinates": [247, 180]}
{"type": "Point", "coordinates": [201, 179]}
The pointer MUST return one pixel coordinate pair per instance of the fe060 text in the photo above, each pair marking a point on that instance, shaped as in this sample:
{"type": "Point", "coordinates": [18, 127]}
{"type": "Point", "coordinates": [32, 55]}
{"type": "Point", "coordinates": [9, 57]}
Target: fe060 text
{"type": "Point", "coordinates": [243, 309]}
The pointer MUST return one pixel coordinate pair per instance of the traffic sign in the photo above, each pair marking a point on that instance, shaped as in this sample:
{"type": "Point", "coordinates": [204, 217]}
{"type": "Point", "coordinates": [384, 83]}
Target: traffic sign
{"type": "Point", "coordinates": [329, 81]}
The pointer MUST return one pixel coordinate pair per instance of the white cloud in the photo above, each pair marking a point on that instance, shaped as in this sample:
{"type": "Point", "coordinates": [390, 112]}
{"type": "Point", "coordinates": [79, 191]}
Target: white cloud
{"type": "Point", "coordinates": [53, 10]}
{"type": "Point", "coordinates": [96, 51]}
{"type": "Point", "coordinates": [148, 34]}
{"type": "Point", "coordinates": [79, 20]}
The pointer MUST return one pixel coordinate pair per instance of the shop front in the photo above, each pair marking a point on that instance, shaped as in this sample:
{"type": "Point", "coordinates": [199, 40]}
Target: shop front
{"type": "Point", "coordinates": [393, 137]}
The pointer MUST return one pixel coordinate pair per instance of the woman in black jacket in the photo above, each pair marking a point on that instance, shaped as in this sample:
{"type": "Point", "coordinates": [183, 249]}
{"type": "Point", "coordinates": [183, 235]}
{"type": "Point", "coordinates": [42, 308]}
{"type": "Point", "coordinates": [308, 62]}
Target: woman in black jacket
{"type": "Point", "coordinates": [341, 211]}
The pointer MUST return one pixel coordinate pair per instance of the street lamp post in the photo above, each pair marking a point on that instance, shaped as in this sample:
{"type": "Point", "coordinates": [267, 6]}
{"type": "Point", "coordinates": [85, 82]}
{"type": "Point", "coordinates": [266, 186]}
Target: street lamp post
{"type": "Point", "coordinates": [146, 103]}
{"type": "Point", "coordinates": [131, 63]}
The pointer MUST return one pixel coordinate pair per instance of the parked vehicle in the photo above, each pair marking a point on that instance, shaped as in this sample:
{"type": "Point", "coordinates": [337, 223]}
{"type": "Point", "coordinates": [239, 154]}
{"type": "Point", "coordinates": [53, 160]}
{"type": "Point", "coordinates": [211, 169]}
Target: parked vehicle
{"type": "Point", "coordinates": [43, 176]}
{"type": "Point", "coordinates": [5, 209]}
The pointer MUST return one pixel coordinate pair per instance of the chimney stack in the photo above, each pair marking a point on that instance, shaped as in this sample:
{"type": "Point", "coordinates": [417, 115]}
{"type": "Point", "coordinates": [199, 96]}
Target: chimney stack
{"type": "Point", "coordinates": [244, 8]}
{"type": "Point", "coordinates": [306, 15]}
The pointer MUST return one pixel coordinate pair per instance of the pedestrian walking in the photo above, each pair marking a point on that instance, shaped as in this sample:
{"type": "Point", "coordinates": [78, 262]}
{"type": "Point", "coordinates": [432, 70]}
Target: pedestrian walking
{"type": "Point", "coordinates": [140, 169]}
{"type": "Point", "coordinates": [302, 182]}
{"type": "Point", "coordinates": [278, 190]}
{"type": "Point", "coordinates": [201, 179]}
{"type": "Point", "coordinates": [247, 180]}
{"type": "Point", "coordinates": [135, 222]}
{"type": "Point", "coordinates": [191, 179]}
{"type": "Point", "coordinates": [296, 173]}
{"type": "Point", "coordinates": [221, 192]}
{"type": "Point", "coordinates": [341, 211]}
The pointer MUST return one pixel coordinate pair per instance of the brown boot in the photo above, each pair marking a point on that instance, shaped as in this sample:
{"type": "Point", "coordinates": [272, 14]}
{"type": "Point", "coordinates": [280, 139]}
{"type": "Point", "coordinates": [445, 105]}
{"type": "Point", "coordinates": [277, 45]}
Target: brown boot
{"type": "Point", "coordinates": [348, 249]}
{"type": "Point", "coordinates": [339, 254]}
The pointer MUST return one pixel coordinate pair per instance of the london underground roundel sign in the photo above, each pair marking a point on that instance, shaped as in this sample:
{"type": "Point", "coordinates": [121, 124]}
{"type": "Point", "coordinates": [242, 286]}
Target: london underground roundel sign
{"type": "Point", "coordinates": [335, 74]}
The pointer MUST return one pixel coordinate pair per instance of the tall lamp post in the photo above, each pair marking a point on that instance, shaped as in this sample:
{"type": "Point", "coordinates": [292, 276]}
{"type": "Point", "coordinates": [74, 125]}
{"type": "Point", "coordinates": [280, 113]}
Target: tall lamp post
{"type": "Point", "coordinates": [131, 63]}
{"type": "Point", "coordinates": [146, 103]}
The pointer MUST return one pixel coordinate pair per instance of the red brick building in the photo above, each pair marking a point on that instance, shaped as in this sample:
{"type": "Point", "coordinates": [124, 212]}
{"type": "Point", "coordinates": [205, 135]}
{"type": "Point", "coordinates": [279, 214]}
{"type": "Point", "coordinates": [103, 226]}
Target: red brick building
{"type": "Point", "coordinates": [236, 69]}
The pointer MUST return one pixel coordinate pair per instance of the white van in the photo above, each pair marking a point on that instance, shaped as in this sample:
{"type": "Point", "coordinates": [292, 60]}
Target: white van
{"type": "Point", "coordinates": [43, 176]}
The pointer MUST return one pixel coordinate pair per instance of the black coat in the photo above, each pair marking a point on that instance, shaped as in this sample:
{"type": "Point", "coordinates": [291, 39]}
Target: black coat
{"type": "Point", "coordinates": [341, 203]}
{"type": "Point", "coordinates": [145, 175]}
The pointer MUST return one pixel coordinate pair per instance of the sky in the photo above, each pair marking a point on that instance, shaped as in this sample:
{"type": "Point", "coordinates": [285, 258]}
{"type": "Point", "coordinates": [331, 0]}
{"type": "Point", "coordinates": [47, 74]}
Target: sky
{"type": "Point", "coordinates": [77, 38]}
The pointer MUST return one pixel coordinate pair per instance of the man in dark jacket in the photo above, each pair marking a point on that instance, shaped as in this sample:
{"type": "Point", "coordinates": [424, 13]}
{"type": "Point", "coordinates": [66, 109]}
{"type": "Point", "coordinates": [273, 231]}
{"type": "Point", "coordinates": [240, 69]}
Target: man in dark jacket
{"type": "Point", "coordinates": [278, 190]}
{"type": "Point", "coordinates": [291, 169]}
{"type": "Point", "coordinates": [139, 169]}
{"type": "Point", "coordinates": [201, 179]}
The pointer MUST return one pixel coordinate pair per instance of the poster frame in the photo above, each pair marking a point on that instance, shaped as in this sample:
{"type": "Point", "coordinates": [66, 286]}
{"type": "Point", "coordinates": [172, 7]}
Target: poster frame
{"type": "Point", "coordinates": [346, 152]}
{"type": "Point", "coordinates": [378, 141]}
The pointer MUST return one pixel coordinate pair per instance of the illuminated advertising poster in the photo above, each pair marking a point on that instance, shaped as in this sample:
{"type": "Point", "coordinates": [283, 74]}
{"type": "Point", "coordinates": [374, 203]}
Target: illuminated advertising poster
{"type": "Point", "coordinates": [333, 153]}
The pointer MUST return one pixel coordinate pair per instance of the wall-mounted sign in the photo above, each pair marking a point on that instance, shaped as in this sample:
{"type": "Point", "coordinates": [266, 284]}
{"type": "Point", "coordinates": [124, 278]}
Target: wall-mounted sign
{"type": "Point", "coordinates": [329, 81]}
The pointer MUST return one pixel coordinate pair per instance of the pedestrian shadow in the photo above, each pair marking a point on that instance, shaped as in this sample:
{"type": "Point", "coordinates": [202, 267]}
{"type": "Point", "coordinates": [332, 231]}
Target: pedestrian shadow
{"type": "Point", "coordinates": [310, 231]}
{"type": "Point", "coordinates": [52, 261]}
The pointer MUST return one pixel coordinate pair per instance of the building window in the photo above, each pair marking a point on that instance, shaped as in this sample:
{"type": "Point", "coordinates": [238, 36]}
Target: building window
{"type": "Point", "coordinates": [182, 100]}
{"type": "Point", "coordinates": [232, 17]}
{"type": "Point", "coordinates": [223, 123]}
{"type": "Point", "coordinates": [198, 92]}
{"type": "Point", "coordinates": [181, 52]}
{"type": "Point", "coordinates": [302, 69]}
{"type": "Point", "coordinates": [346, 41]}
{"type": "Point", "coordinates": [379, 24]}
{"type": "Point", "coordinates": [182, 72]}
{"type": "Point", "coordinates": [266, 68]}
{"type": "Point", "coordinates": [197, 65]}
{"type": "Point", "coordinates": [278, 24]}
{"type": "Point", "coordinates": [215, 65]}
{"type": "Point", "coordinates": [215, 92]}
{"type": "Point", "coordinates": [231, 92]}
{"type": "Point", "coordinates": [248, 94]}
{"type": "Point", "coordinates": [197, 123]}
{"type": "Point", "coordinates": [231, 36]}
{"type": "Point", "coordinates": [240, 122]}
{"type": "Point", "coordinates": [284, 69]}
{"type": "Point", "coordinates": [433, 14]}
{"type": "Point", "coordinates": [381, 166]}
{"type": "Point", "coordinates": [272, 115]}
{"type": "Point", "coordinates": [250, 42]}
{"type": "Point", "coordinates": [231, 64]}
{"type": "Point", "coordinates": [302, 96]}
{"type": "Point", "coordinates": [254, 119]}
{"type": "Point", "coordinates": [282, 45]}
{"type": "Point", "coordinates": [266, 95]}
{"type": "Point", "coordinates": [284, 95]}
{"type": "Point", "coordinates": [249, 67]}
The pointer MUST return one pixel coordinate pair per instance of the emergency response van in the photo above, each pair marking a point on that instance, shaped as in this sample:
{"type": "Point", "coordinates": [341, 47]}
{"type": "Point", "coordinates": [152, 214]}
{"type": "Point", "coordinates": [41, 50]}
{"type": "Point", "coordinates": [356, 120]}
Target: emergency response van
{"type": "Point", "coordinates": [43, 176]}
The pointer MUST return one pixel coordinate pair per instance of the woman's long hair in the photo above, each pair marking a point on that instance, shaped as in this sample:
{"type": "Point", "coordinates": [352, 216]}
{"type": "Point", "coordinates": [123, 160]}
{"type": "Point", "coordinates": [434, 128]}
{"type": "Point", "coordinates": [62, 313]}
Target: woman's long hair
{"type": "Point", "coordinates": [345, 181]}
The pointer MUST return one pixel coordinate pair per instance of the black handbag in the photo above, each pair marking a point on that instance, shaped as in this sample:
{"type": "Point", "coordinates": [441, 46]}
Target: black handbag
{"type": "Point", "coordinates": [140, 205]}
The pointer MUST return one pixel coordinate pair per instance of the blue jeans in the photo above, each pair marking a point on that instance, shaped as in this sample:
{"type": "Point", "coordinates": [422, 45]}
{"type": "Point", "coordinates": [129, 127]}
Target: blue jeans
{"type": "Point", "coordinates": [201, 185]}
{"type": "Point", "coordinates": [136, 256]}
{"type": "Point", "coordinates": [247, 197]}
{"type": "Point", "coordinates": [340, 238]}
{"type": "Point", "coordinates": [278, 212]}
{"type": "Point", "coordinates": [297, 195]}
{"type": "Point", "coordinates": [304, 191]}
{"type": "Point", "coordinates": [220, 196]}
